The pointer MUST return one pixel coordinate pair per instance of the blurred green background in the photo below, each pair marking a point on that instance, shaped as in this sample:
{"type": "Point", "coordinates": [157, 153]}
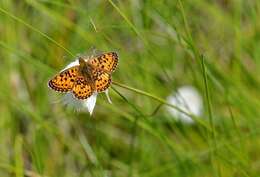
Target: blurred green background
{"type": "Point", "coordinates": [163, 45]}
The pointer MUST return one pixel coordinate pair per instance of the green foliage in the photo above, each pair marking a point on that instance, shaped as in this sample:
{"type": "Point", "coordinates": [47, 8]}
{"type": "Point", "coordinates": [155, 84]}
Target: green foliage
{"type": "Point", "coordinates": [212, 45]}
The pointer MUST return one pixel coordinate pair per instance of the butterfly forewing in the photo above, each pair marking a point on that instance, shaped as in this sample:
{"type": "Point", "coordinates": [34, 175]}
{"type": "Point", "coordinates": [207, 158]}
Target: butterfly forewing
{"type": "Point", "coordinates": [82, 88]}
{"type": "Point", "coordinates": [107, 61]}
{"type": "Point", "coordinates": [64, 81]}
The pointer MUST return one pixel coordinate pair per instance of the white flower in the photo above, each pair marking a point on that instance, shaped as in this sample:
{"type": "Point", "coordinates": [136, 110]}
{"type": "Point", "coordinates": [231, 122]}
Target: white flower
{"type": "Point", "coordinates": [189, 100]}
{"type": "Point", "coordinates": [89, 103]}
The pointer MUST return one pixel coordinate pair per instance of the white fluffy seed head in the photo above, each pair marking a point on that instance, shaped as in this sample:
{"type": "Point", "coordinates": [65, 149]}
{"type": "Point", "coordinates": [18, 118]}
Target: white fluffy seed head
{"type": "Point", "coordinates": [80, 105]}
{"type": "Point", "coordinates": [188, 99]}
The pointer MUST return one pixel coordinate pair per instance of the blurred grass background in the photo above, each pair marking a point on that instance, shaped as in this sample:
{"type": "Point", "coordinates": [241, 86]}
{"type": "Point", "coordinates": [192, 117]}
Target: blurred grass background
{"type": "Point", "coordinates": [162, 45]}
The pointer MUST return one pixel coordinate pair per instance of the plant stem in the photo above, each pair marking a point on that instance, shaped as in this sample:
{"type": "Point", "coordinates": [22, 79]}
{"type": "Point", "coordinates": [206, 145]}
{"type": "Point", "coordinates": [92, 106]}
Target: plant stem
{"type": "Point", "coordinates": [36, 30]}
{"type": "Point", "coordinates": [193, 117]}
{"type": "Point", "coordinates": [205, 79]}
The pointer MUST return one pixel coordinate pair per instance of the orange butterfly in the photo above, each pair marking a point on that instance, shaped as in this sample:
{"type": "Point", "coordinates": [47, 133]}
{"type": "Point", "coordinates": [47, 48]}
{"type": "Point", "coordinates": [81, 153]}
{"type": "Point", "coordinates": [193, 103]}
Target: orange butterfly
{"type": "Point", "coordinates": [91, 75]}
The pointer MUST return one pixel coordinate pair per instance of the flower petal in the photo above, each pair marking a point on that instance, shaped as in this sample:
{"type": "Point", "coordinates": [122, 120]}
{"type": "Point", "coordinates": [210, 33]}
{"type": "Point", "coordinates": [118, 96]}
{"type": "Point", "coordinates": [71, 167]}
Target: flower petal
{"type": "Point", "coordinates": [69, 100]}
{"type": "Point", "coordinates": [90, 102]}
{"type": "Point", "coordinates": [80, 105]}
{"type": "Point", "coordinates": [74, 63]}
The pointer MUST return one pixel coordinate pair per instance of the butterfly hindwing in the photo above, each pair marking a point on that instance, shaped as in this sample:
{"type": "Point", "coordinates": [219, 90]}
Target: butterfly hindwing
{"type": "Point", "coordinates": [82, 88]}
{"type": "Point", "coordinates": [102, 80]}
{"type": "Point", "coordinates": [106, 61]}
{"type": "Point", "coordinates": [64, 81]}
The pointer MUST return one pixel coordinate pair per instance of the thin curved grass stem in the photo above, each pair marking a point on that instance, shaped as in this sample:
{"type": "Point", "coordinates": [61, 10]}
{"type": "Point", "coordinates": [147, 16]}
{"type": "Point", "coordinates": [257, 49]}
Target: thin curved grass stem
{"type": "Point", "coordinates": [151, 96]}
{"type": "Point", "coordinates": [35, 29]}
{"type": "Point", "coordinates": [193, 117]}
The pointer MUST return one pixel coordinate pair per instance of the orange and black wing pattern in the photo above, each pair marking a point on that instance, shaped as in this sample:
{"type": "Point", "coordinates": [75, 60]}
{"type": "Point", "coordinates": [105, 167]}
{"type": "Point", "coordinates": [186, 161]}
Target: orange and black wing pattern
{"type": "Point", "coordinates": [106, 61]}
{"type": "Point", "coordinates": [64, 81]}
{"type": "Point", "coordinates": [102, 80]}
{"type": "Point", "coordinates": [82, 88]}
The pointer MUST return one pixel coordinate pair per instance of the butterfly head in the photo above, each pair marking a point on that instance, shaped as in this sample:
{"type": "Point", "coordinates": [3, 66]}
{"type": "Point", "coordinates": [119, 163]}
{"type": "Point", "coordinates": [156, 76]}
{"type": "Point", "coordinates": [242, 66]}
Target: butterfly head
{"type": "Point", "coordinates": [82, 62]}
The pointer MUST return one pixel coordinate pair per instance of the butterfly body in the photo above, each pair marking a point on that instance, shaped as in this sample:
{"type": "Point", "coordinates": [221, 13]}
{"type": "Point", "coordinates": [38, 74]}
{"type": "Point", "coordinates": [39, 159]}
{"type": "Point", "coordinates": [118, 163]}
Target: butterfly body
{"type": "Point", "coordinates": [86, 70]}
{"type": "Point", "coordinates": [91, 75]}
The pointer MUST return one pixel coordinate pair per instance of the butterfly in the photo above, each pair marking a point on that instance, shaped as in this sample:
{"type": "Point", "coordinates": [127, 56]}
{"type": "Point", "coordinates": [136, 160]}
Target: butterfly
{"type": "Point", "coordinates": [91, 75]}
